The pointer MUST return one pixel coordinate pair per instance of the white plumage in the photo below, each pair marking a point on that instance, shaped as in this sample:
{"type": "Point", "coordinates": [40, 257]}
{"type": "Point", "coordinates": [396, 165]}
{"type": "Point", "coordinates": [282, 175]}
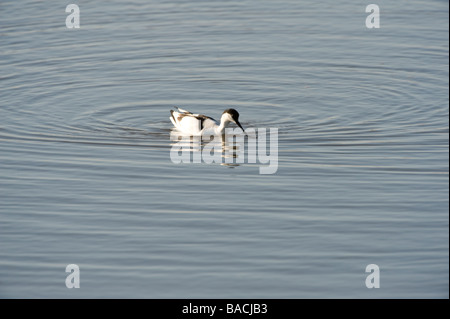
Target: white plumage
{"type": "Point", "coordinates": [198, 124]}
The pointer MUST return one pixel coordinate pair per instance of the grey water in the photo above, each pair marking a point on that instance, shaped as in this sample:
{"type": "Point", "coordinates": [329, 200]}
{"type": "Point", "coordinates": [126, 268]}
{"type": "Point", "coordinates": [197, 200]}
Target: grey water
{"type": "Point", "coordinates": [86, 176]}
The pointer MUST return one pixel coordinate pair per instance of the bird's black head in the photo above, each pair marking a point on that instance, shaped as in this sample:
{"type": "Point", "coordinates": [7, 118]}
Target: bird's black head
{"type": "Point", "coordinates": [235, 116]}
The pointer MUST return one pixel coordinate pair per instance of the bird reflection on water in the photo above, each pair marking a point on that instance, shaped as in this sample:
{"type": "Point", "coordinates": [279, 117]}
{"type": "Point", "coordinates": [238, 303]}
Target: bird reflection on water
{"type": "Point", "coordinates": [225, 149]}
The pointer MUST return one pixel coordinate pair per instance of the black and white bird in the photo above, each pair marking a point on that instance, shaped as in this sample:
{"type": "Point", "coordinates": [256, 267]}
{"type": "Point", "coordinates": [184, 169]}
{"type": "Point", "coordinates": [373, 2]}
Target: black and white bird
{"type": "Point", "coordinates": [198, 124]}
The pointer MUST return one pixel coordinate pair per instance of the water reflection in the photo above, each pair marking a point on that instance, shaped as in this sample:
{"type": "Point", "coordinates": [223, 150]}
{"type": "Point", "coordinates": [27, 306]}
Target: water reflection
{"type": "Point", "coordinates": [227, 149]}
{"type": "Point", "coordinates": [231, 149]}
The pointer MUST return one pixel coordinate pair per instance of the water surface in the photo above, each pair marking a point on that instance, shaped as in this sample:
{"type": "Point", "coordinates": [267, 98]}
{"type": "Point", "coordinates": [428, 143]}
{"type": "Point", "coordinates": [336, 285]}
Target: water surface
{"type": "Point", "coordinates": [85, 170]}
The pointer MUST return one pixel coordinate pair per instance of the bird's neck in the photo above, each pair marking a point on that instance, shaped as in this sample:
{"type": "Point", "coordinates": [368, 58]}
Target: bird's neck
{"type": "Point", "coordinates": [223, 125]}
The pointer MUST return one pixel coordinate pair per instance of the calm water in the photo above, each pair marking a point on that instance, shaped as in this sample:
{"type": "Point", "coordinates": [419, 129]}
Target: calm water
{"type": "Point", "coordinates": [86, 175]}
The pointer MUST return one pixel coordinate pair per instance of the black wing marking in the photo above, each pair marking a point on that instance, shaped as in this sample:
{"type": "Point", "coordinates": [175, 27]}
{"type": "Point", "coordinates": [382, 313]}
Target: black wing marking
{"type": "Point", "coordinates": [183, 113]}
{"type": "Point", "coordinates": [202, 119]}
